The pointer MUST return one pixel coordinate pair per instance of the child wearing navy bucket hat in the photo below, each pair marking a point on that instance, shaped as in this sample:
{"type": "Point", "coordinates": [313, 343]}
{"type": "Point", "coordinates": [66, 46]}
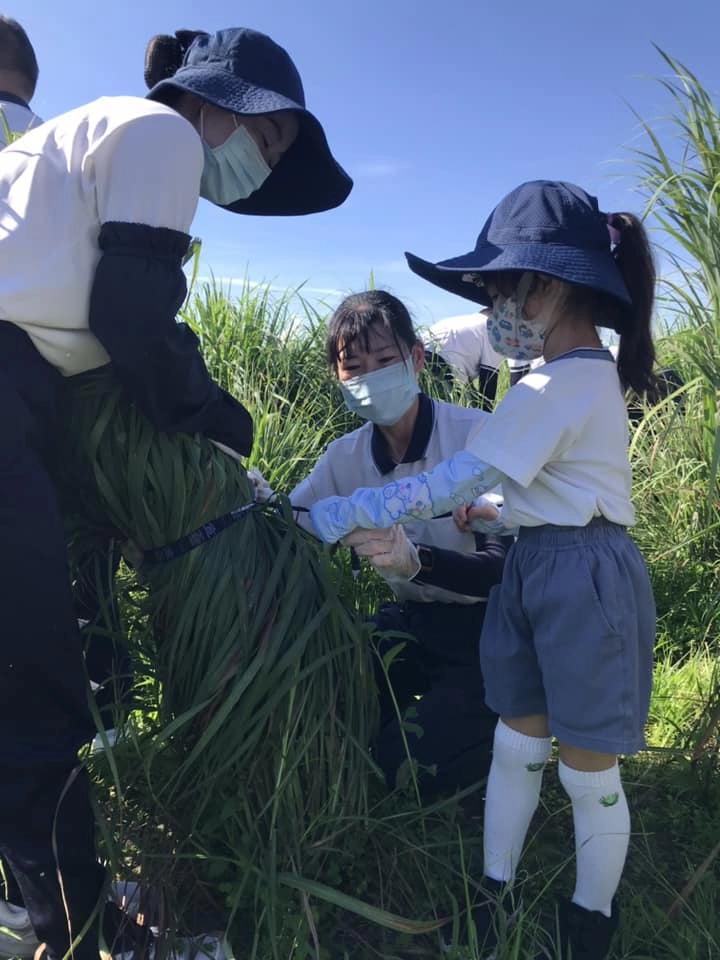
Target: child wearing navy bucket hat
{"type": "Point", "coordinates": [566, 647]}
{"type": "Point", "coordinates": [96, 207]}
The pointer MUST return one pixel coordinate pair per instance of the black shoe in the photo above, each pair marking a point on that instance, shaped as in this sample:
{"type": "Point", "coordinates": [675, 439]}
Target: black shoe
{"type": "Point", "coordinates": [491, 917]}
{"type": "Point", "coordinates": [582, 934]}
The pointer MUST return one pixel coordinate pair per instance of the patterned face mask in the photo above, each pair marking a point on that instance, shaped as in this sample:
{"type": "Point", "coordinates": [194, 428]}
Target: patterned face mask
{"type": "Point", "coordinates": [510, 334]}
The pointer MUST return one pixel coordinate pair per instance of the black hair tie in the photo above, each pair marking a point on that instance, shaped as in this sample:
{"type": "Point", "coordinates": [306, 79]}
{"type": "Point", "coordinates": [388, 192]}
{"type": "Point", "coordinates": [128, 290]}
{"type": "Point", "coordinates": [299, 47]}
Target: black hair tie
{"type": "Point", "coordinates": [164, 54]}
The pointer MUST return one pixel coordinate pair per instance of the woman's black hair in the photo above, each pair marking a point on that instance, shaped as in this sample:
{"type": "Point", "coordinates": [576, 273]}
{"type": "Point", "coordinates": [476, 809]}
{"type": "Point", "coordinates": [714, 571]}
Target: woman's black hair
{"type": "Point", "coordinates": [361, 313]}
{"type": "Point", "coordinates": [164, 55]}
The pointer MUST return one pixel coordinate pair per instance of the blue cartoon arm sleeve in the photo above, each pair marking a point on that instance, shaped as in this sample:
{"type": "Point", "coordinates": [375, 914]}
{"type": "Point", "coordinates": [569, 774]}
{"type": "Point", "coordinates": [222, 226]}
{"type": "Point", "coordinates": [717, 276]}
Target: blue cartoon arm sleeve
{"type": "Point", "coordinates": [450, 484]}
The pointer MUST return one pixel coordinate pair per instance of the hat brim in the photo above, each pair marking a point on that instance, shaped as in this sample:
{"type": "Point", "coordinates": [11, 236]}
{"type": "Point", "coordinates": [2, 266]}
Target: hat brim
{"type": "Point", "coordinates": [588, 268]}
{"type": "Point", "coordinates": [307, 179]}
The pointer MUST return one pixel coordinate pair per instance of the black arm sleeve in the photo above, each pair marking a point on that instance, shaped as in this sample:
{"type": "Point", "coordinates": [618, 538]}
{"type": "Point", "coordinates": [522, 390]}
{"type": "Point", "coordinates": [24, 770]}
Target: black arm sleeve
{"type": "Point", "coordinates": [470, 573]}
{"type": "Point", "coordinates": [138, 288]}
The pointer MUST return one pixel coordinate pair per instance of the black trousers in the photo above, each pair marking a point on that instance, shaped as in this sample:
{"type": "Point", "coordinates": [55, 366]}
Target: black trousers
{"type": "Point", "coordinates": [46, 822]}
{"type": "Point", "coordinates": [440, 665]}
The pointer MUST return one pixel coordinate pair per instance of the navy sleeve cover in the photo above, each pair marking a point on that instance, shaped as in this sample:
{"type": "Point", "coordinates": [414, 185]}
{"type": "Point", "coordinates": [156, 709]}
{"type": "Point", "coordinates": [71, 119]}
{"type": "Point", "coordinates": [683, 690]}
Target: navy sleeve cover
{"type": "Point", "coordinates": [137, 290]}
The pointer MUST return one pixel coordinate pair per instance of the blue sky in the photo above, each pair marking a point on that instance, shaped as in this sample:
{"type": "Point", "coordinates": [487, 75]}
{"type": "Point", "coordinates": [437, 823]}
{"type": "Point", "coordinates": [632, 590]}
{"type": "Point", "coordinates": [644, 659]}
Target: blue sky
{"type": "Point", "coordinates": [436, 109]}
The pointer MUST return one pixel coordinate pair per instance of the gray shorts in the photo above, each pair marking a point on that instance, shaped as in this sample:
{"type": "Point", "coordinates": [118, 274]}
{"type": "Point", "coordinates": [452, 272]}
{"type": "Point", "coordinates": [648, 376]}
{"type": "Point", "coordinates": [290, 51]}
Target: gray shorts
{"type": "Point", "coordinates": [570, 633]}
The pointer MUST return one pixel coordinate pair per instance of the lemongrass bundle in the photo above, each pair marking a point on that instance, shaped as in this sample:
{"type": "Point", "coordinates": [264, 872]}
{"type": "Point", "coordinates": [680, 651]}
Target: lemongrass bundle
{"type": "Point", "coordinates": [254, 749]}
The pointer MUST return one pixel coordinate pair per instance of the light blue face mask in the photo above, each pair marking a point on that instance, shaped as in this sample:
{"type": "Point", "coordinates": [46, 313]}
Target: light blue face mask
{"type": "Point", "coordinates": [382, 396]}
{"type": "Point", "coordinates": [234, 170]}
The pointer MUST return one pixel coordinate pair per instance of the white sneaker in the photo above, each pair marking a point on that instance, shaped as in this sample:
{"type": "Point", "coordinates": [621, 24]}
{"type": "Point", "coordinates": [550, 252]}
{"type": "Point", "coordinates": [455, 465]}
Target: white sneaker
{"type": "Point", "coordinates": [17, 937]}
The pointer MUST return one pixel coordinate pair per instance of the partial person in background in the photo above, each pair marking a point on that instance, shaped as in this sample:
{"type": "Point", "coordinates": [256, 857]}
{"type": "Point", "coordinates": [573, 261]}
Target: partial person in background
{"type": "Point", "coordinates": [94, 234]}
{"type": "Point", "coordinates": [18, 79]}
{"type": "Point", "coordinates": [458, 348]}
{"type": "Point", "coordinates": [440, 576]}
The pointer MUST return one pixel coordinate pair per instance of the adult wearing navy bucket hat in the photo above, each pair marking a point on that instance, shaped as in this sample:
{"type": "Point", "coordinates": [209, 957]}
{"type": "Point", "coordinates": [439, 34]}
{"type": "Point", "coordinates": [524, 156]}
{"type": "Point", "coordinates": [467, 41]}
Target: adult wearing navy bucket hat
{"type": "Point", "coordinates": [94, 226]}
{"type": "Point", "coordinates": [566, 645]}
{"type": "Point", "coordinates": [246, 74]}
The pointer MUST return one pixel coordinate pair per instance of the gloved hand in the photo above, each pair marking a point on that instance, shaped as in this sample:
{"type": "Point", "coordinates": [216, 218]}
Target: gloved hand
{"type": "Point", "coordinates": [389, 551]}
{"type": "Point", "coordinates": [263, 490]}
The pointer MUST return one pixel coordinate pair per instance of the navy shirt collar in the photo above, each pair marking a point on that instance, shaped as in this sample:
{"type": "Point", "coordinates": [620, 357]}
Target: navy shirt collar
{"type": "Point", "coordinates": [13, 98]}
{"type": "Point", "coordinates": [418, 441]}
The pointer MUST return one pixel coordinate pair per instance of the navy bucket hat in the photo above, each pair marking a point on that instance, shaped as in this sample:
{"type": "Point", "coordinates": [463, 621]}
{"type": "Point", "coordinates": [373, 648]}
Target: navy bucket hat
{"type": "Point", "coordinates": [247, 73]}
{"type": "Point", "coordinates": [542, 226]}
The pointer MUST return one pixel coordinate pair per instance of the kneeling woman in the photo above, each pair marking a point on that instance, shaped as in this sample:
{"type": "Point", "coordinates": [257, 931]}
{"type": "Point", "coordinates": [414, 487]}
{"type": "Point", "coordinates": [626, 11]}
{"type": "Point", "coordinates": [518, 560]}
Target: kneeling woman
{"type": "Point", "coordinates": [440, 576]}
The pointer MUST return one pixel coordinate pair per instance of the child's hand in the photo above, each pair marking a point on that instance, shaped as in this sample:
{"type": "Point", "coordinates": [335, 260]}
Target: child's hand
{"type": "Point", "coordinates": [475, 517]}
{"type": "Point", "coordinates": [460, 518]}
{"type": "Point", "coordinates": [482, 511]}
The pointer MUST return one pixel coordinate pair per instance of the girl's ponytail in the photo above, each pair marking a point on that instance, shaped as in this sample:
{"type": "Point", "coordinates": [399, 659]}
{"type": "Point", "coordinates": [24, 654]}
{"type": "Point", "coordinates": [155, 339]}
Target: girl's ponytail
{"type": "Point", "coordinates": [631, 250]}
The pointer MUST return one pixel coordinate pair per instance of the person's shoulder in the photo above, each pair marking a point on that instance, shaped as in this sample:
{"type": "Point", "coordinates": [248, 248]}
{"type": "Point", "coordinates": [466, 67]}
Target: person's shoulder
{"type": "Point", "coordinates": [456, 411]}
{"type": "Point", "coordinates": [142, 131]}
{"type": "Point", "coordinates": [452, 418]}
{"type": "Point", "coordinates": [100, 119]}
{"type": "Point", "coordinates": [345, 444]}
{"type": "Point", "coordinates": [567, 386]}
{"type": "Point", "coordinates": [114, 113]}
{"type": "Point", "coordinates": [463, 322]}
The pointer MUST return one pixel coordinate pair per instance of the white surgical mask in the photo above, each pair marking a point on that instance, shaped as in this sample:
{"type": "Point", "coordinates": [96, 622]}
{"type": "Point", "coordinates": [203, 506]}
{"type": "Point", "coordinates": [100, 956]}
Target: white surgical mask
{"type": "Point", "coordinates": [382, 396]}
{"type": "Point", "coordinates": [509, 333]}
{"type": "Point", "coordinates": [234, 170]}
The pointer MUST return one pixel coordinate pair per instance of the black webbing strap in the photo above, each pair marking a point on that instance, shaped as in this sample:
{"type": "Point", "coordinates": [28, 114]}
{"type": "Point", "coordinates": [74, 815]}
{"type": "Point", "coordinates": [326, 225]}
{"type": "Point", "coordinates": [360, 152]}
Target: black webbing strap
{"type": "Point", "coordinates": [212, 528]}
{"type": "Point", "coordinates": [197, 537]}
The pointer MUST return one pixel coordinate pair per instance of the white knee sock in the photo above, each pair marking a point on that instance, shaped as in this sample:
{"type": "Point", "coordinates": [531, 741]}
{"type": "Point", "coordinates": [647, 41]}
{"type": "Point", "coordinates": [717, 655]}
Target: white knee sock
{"type": "Point", "coordinates": [602, 834]}
{"type": "Point", "coordinates": [513, 792]}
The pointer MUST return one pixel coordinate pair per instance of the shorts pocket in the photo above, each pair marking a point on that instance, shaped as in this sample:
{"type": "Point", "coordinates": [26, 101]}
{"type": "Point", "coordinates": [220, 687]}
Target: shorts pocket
{"type": "Point", "coordinates": [603, 589]}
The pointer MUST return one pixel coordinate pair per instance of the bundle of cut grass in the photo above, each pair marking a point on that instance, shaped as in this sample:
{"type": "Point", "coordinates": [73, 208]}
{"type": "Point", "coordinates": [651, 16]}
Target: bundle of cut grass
{"type": "Point", "coordinates": [257, 702]}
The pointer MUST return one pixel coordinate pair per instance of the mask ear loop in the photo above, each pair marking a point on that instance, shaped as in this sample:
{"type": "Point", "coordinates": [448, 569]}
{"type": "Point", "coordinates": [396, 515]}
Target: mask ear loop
{"type": "Point", "coordinates": [522, 291]}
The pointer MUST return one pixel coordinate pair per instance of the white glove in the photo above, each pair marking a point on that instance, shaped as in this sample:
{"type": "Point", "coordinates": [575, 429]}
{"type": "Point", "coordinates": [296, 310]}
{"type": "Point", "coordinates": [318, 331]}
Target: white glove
{"type": "Point", "coordinates": [389, 551]}
{"type": "Point", "coordinates": [263, 490]}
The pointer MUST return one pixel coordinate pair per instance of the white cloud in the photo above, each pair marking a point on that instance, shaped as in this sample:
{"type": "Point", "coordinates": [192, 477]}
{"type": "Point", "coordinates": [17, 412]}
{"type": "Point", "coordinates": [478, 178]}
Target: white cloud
{"type": "Point", "coordinates": [379, 169]}
{"type": "Point", "coordinates": [228, 283]}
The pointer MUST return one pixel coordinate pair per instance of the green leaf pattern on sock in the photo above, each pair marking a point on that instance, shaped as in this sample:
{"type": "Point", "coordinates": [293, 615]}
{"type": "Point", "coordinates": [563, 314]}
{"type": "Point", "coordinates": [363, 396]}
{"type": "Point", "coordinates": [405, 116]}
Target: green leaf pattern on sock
{"type": "Point", "coordinates": [610, 799]}
{"type": "Point", "coordinates": [534, 767]}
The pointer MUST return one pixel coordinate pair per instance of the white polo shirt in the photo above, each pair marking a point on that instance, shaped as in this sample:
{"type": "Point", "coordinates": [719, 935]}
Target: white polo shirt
{"type": "Point", "coordinates": [19, 119]}
{"type": "Point", "coordinates": [560, 437]}
{"type": "Point", "coordinates": [121, 159]}
{"type": "Point", "coordinates": [463, 344]}
{"type": "Point", "coordinates": [356, 460]}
